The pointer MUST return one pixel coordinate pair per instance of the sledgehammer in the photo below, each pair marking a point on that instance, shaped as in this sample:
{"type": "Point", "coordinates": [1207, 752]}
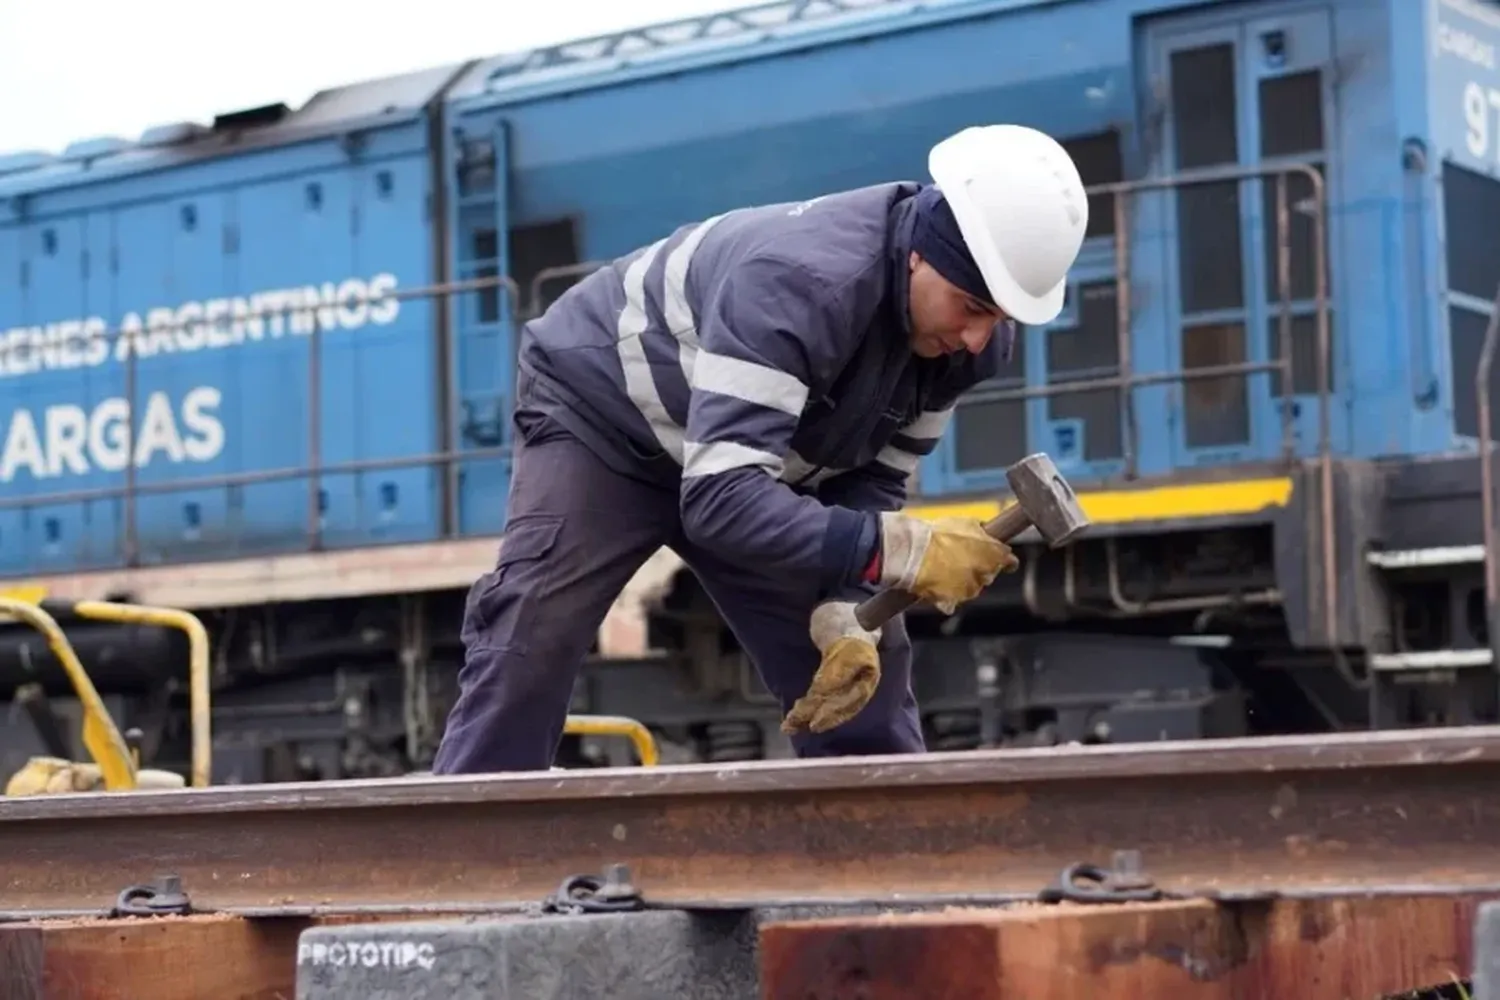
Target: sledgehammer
{"type": "Point", "coordinates": [1044, 500]}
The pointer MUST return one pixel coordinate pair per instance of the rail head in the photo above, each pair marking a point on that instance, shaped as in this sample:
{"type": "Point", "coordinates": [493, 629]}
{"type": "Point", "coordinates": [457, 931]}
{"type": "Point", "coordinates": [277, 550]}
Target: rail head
{"type": "Point", "coordinates": [1293, 757]}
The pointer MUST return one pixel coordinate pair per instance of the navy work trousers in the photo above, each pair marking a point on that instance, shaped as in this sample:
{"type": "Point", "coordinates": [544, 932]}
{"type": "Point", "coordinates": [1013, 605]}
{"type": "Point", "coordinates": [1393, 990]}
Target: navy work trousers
{"type": "Point", "coordinates": [576, 533]}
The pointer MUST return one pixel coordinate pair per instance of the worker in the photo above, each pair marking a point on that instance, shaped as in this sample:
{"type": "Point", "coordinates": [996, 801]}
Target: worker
{"type": "Point", "coordinates": [754, 391]}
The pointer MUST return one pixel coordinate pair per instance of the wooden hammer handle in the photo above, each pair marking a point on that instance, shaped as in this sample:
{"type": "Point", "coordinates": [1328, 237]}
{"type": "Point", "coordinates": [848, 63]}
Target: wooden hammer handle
{"type": "Point", "coordinates": [874, 612]}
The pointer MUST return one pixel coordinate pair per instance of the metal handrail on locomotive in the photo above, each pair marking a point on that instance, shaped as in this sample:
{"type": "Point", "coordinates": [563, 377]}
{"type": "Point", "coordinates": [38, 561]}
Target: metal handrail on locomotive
{"type": "Point", "coordinates": [306, 444]}
{"type": "Point", "coordinates": [115, 763]}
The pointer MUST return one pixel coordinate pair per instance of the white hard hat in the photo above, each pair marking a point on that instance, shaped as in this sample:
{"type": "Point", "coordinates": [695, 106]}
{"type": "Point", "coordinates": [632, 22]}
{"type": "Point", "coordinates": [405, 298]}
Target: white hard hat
{"type": "Point", "coordinates": [1022, 210]}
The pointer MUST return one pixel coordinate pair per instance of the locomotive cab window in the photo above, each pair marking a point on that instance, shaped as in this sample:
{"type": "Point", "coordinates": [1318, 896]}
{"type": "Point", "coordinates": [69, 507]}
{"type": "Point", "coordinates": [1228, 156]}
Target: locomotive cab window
{"type": "Point", "coordinates": [534, 252]}
{"type": "Point", "coordinates": [543, 259]}
{"type": "Point", "coordinates": [990, 433]}
{"type": "Point", "coordinates": [1233, 302]}
{"type": "Point", "coordinates": [1471, 204]}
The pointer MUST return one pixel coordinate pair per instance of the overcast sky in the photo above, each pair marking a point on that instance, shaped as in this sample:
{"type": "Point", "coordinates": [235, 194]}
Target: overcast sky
{"type": "Point", "coordinates": [77, 69]}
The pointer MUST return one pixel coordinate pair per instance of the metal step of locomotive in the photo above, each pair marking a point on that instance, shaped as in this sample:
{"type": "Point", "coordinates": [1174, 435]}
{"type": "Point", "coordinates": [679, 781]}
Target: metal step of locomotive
{"type": "Point", "coordinates": [1431, 659]}
{"type": "Point", "coordinates": [1432, 565]}
{"type": "Point", "coordinates": [1447, 557]}
{"type": "Point", "coordinates": [1437, 555]}
{"type": "Point", "coordinates": [1435, 662]}
{"type": "Point", "coordinates": [1458, 568]}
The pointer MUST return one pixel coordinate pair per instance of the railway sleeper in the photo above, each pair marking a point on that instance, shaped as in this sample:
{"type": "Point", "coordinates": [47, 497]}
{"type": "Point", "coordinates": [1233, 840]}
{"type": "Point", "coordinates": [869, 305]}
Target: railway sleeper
{"type": "Point", "coordinates": [1329, 947]}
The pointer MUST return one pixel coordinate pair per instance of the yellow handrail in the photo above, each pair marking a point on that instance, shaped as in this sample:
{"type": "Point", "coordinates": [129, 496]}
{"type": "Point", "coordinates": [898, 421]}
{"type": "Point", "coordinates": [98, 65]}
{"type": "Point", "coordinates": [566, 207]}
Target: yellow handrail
{"type": "Point", "coordinates": [100, 736]}
{"type": "Point", "coordinates": [103, 740]}
{"type": "Point", "coordinates": [616, 725]}
{"type": "Point", "coordinates": [198, 680]}
{"type": "Point", "coordinates": [132, 614]}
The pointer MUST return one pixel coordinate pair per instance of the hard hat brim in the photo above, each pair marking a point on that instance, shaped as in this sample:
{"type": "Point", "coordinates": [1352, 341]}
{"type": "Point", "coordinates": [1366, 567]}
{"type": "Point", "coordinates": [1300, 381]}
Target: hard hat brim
{"type": "Point", "coordinates": [950, 177]}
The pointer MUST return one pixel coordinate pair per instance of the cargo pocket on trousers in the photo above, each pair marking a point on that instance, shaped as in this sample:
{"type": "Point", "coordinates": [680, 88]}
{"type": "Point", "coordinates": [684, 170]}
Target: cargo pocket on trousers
{"type": "Point", "coordinates": [501, 603]}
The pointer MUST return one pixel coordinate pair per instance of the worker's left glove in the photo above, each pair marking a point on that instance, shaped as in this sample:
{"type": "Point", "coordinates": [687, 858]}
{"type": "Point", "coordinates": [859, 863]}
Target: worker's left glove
{"type": "Point", "coordinates": [846, 677]}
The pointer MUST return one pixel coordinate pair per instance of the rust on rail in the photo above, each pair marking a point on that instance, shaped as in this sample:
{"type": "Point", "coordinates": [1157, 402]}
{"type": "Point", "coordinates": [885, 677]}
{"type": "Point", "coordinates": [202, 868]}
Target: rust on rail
{"type": "Point", "coordinates": [1412, 809]}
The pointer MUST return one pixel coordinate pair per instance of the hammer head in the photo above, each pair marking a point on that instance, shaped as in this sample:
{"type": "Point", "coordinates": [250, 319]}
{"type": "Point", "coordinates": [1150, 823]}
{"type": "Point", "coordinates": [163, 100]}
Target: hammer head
{"type": "Point", "coordinates": [1048, 500]}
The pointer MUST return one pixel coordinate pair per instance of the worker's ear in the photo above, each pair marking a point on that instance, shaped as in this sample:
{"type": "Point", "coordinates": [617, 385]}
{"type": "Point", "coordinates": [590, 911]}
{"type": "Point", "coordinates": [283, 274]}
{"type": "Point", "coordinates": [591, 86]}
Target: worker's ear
{"type": "Point", "coordinates": [913, 260]}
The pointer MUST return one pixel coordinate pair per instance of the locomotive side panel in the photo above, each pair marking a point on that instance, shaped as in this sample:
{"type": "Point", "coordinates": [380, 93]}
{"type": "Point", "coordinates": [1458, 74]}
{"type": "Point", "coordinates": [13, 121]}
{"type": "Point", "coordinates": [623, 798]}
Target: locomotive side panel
{"type": "Point", "coordinates": [163, 346]}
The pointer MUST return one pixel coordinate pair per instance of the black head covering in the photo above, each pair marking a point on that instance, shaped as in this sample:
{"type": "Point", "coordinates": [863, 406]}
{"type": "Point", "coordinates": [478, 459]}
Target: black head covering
{"type": "Point", "coordinates": [936, 237]}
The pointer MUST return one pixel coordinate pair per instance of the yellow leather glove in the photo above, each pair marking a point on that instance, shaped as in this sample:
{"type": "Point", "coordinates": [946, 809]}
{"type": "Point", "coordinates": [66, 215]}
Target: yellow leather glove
{"type": "Point", "coordinates": [945, 562]}
{"type": "Point", "coordinates": [846, 677]}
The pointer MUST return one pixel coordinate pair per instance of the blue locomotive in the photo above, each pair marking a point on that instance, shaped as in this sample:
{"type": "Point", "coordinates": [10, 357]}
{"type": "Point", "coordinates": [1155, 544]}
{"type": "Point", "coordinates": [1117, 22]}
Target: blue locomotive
{"type": "Point", "coordinates": [260, 367]}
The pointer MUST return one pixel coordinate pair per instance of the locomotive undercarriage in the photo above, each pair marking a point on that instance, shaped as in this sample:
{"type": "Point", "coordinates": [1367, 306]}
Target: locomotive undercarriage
{"type": "Point", "coordinates": [1177, 634]}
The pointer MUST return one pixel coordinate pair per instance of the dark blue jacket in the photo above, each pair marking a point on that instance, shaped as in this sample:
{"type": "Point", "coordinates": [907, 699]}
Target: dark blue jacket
{"type": "Point", "coordinates": [759, 362]}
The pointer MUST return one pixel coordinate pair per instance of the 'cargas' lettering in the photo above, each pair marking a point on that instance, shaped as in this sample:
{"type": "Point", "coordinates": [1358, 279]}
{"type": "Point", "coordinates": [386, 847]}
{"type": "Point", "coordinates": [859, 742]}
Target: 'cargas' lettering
{"type": "Point", "coordinates": [210, 324]}
{"type": "Point", "coordinates": [69, 440]}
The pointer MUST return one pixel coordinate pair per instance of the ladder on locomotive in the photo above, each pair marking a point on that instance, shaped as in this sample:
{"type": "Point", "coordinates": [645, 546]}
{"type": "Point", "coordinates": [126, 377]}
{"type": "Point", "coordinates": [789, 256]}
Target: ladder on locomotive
{"type": "Point", "coordinates": [1454, 564]}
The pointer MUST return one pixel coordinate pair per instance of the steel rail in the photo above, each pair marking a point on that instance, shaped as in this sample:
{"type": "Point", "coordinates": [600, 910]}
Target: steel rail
{"type": "Point", "coordinates": [1376, 810]}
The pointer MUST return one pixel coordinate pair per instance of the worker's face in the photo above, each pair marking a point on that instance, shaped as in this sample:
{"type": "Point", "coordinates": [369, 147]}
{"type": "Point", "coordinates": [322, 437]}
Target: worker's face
{"type": "Point", "coordinates": [944, 318]}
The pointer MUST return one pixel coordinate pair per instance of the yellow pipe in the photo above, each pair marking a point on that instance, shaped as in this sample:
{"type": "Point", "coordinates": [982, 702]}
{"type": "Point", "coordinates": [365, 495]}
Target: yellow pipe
{"type": "Point", "coordinates": [100, 736]}
{"type": "Point", "coordinates": [198, 694]}
{"type": "Point", "coordinates": [616, 725]}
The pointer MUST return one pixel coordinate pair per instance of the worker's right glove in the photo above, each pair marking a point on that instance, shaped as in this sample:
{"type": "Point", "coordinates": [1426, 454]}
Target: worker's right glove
{"type": "Point", "coordinates": [945, 562]}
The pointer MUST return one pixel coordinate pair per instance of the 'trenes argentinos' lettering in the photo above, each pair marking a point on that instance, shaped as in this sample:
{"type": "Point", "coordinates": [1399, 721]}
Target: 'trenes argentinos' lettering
{"type": "Point", "coordinates": [209, 324]}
